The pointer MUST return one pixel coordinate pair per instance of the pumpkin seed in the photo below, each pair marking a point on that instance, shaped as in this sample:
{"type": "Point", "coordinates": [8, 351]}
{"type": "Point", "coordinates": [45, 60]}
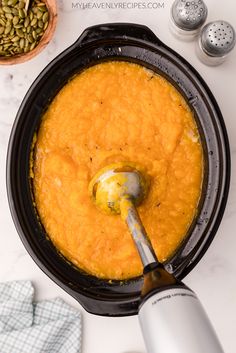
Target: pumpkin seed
{"type": "Point", "coordinates": [19, 25]}
{"type": "Point", "coordinates": [22, 43]}
{"type": "Point", "coordinates": [34, 35]}
{"type": "Point", "coordinates": [12, 2]}
{"type": "Point", "coordinates": [14, 11]}
{"type": "Point", "coordinates": [2, 30]}
{"type": "Point", "coordinates": [15, 20]}
{"type": "Point", "coordinates": [21, 13]}
{"type": "Point", "coordinates": [30, 38]}
{"type": "Point", "coordinates": [7, 30]}
{"type": "Point", "coordinates": [27, 21]}
{"type": "Point", "coordinates": [19, 33]}
{"type": "Point", "coordinates": [45, 17]}
{"type": "Point", "coordinates": [32, 46]}
{"type": "Point", "coordinates": [34, 10]}
{"type": "Point", "coordinates": [31, 15]}
{"type": "Point", "coordinates": [39, 15]}
{"type": "Point", "coordinates": [40, 24]}
{"type": "Point", "coordinates": [9, 16]}
{"type": "Point", "coordinates": [15, 39]}
{"type": "Point", "coordinates": [21, 5]}
{"type": "Point", "coordinates": [38, 30]}
{"type": "Point", "coordinates": [45, 26]}
{"type": "Point", "coordinates": [33, 22]}
{"type": "Point", "coordinates": [2, 22]}
{"type": "Point", "coordinates": [6, 9]}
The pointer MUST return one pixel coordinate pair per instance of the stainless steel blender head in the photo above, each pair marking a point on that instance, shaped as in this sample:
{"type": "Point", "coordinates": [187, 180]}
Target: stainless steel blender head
{"type": "Point", "coordinates": [216, 41]}
{"type": "Point", "coordinates": [187, 17]}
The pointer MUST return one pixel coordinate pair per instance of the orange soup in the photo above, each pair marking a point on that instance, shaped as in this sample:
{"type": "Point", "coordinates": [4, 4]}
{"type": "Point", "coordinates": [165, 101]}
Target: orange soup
{"type": "Point", "coordinates": [116, 112]}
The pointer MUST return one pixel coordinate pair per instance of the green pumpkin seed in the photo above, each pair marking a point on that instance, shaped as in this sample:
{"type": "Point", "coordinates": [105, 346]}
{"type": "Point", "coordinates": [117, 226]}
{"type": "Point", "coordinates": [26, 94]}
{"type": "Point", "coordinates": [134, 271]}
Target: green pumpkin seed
{"type": "Point", "coordinates": [38, 30]}
{"type": "Point", "coordinates": [14, 11]}
{"type": "Point", "coordinates": [32, 46]}
{"type": "Point", "coordinates": [8, 23]}
{"type": "Point", "coordinates": [15, 20]}
{"type": "Point", "coordinates": [9, 16]}
{"type": "Point", "coordinates": [2, 22]}
{"type": "Point", "coordinates": [45, 26]}
{"type": "Point", "coordinates": [33, 22]}
{"type": "Point", "coordinates": [34, 10]}
{"type": "Point", "coordinates": [7, 30]}
{"type": "Point", "coordinates": [21, 5]}
{"type": "Point", "coordinates": [22, 43]}
{"type": "Point", "coordinates": [19, 33]}
{"type": "Point", "coordinates": [34, 35]}
{"type": "Point", "coordinates": [15, 39]}
{"type": "Point", "coordinates": [6, 9]}
{"type": "Point", "coordinates": [21, 13]}
{"type": "Point", "coordinates": [31, 15]}
{"type": "Point", "coordinates": [40, 24]}
{"type": "Point", "coordinates": [39, 15]}
{"type": "Point", "coordinates": [12, 2]}
{"type": "Point", "coordinates": [45, 17]}
{"type": "Point", "coordinates": [30, 38]}
{"type": "Point", "coordinates": [19, 25]}
{"type": "Point", "coordinates": [27, 21]}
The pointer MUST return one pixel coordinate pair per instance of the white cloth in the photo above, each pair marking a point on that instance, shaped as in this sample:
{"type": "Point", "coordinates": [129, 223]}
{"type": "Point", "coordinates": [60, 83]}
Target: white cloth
{"type": "Point", "coordinates": [50, 326]}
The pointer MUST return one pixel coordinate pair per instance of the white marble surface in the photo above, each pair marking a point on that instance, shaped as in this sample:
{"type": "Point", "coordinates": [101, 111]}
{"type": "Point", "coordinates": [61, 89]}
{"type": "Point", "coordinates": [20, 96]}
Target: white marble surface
{"type": "Point", "coordinates": [214, 279]}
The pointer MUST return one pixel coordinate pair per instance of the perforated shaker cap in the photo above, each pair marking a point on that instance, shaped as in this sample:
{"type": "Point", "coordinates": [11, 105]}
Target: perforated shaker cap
{"type": "Point", "coordinates": [189, 15]}
{"type": "Point", "coordinates": [218, 38]}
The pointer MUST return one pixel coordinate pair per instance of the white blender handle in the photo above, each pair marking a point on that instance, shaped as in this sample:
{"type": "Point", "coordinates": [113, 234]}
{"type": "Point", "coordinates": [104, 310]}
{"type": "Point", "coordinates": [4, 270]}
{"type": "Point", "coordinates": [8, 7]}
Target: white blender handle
{"type": "Point", "coordinates": [173, 321]}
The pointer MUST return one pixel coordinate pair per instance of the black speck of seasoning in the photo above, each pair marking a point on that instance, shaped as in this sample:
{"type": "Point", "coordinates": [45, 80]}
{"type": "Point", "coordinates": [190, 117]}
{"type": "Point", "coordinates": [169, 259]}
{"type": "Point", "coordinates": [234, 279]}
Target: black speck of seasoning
{"type": "Point", "coordinates": [149, 79]}
{"type": "Point", "coordinates": [183, 213]}
{"type": "Point", "coordinates": [158, 204]}
{"type": "Point", "coordinates": [101, 102]}
{"type": "Point", "coordinates": [149, 148]}
{"type": "Point", "coordinates": [180, 105]}
{"type": "Point", "coordinates": [96, 147]}
{"type": "Point", "coordinates": [10, 76]}
{"type": "Point", "coordinates": [91, 159]}
{"type": "Point", "coordinates": [121, 149]}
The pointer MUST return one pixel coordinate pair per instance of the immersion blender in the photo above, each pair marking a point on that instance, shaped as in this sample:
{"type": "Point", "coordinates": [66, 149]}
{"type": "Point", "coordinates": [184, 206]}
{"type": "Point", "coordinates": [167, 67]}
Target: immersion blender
{"type": "Point", "coordinates": [172, 318]}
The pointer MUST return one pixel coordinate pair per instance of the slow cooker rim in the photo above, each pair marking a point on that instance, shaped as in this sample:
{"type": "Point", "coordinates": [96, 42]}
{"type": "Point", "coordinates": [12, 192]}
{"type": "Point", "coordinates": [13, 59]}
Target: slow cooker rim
{"type": "Point", "coordinates": [50, 66]}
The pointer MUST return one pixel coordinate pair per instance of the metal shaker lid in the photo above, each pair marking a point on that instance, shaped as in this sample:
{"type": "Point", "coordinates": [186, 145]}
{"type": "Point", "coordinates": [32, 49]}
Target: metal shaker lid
{"type": "Point", "coordinates": [218, 38]}
{"type": "Point", "coordinates": [189, 15]}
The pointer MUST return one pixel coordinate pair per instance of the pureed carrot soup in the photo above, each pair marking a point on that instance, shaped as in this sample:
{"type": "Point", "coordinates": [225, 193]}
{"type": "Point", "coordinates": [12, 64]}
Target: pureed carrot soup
{"type": "Point", "coordinates": [116, 112]}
